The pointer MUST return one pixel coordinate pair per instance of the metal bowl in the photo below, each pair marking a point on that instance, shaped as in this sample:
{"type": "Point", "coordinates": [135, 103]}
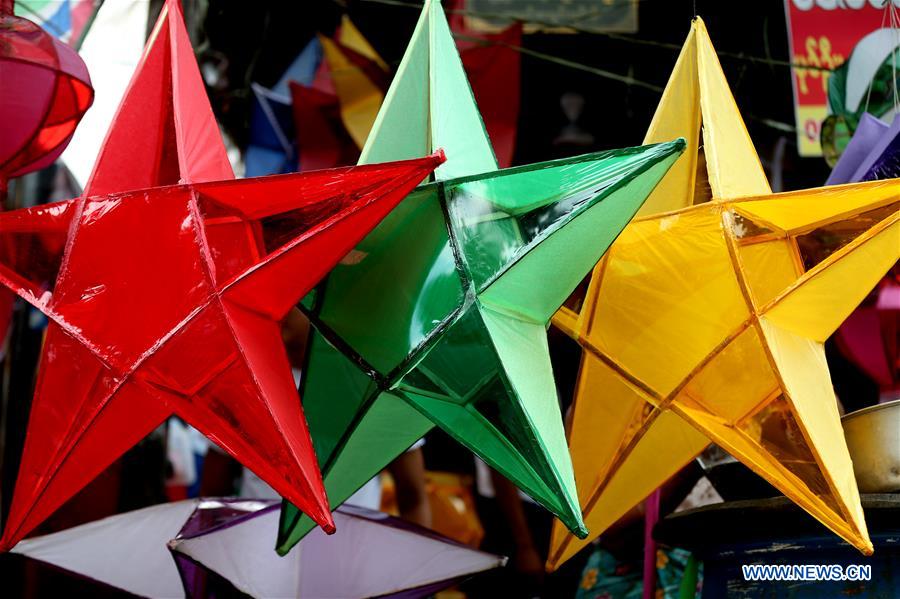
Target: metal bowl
{"type": "Point", "coordinates": [731, 479]}
{"type": "Point", "coordinates": [873, 438]}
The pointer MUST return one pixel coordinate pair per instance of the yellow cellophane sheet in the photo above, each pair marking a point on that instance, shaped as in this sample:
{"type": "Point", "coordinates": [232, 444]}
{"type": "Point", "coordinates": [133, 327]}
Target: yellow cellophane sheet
{"type": "Point", "coordinates": [705, 321]}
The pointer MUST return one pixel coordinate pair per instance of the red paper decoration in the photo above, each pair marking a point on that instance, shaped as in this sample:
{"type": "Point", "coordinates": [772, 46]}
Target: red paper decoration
{"type": "Point", "coordinates": [44, 93]}
{"type": "Point", "coordinates": [323, 140]}
{"type": "Point", "coordinates": [167, 299]}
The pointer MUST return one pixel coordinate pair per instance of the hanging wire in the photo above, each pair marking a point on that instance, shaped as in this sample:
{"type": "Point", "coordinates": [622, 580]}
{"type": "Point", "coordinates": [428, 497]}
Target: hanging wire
{"type": "Point", "coordinates": [579, 29]}
{"type": "Point", "coordinates": [626, 79]}
{"type": "Point", "coordinates": [890, 11]}
{"type": "Point", "coordinates": [884, 14]}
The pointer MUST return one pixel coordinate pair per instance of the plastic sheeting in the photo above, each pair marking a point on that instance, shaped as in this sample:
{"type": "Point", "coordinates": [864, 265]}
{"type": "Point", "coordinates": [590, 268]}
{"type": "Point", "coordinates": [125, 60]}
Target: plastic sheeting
{"type": "Point", "coordinates": [867, 135]}
{"type": "Point", "coordinates": [168, 299]}
{"type": "Point", "coordinates": [704, 323]}
{"type": "Point", "coordinates": [372, 555]}
{"type": "Point", "coordinates": [439, 316]}
{"type": "Point", "coordinates": [167, 550]}
{"type": "Point", "coordinates": [872, 153]}
{"type": "Point", "coordinates": [45, 92]}
{"type": "Point", "coordinates": [127, 551]}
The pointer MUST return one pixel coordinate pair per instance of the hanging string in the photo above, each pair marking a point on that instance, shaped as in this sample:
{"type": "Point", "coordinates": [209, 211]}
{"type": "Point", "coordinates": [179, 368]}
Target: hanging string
{"type": "Point", "coordinates": [626, 79]}
{"type": "Point", "coordinates": [614, 36]}
{"type": "Point", "coordinates": [571, 64]}
{"type": "Point", "coordinates": [884, 15]}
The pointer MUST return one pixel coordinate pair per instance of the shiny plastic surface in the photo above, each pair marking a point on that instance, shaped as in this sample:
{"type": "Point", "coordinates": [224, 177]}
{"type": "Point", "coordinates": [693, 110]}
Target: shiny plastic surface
{"type": "Point", "coordinates": [183, 317]}
{"type": "Point", "coordinates": [44, 93]}
{"type": "Point", "coordinates": [445, 306]}
{"type": "Point", "coordinates": [402, 324]}
{"type": "Point", "coordinates": [438, 317]}
{"type": "Point", "coordinates": [705, 323]}
{"type": "Point", "coordinates": [168, 299]}
{"type": "Point", "coordinates": [176, 550]}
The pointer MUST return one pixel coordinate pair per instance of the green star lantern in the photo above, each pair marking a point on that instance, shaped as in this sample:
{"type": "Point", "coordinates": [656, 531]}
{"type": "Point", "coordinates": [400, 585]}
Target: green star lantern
{"type": "Point", "coordinates": [439, 316]}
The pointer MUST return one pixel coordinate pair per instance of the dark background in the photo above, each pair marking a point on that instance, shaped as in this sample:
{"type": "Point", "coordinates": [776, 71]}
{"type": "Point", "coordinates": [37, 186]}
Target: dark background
{"type": "Point", "coordinates": [259, 40]}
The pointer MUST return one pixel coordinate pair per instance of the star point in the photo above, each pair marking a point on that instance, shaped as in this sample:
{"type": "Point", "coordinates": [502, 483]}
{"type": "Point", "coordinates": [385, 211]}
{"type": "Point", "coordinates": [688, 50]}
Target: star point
{"type": "Point", "coordinates": [167, 299]}
{"type": "Point", "coordinates": [705, 323]}
{"type": "Point", "coordinates": [441, 321]}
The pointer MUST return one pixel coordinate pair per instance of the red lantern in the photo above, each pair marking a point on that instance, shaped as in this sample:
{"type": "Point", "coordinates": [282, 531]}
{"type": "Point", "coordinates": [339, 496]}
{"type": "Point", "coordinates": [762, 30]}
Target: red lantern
{"type": "Point", "coordinates": [44, 93]}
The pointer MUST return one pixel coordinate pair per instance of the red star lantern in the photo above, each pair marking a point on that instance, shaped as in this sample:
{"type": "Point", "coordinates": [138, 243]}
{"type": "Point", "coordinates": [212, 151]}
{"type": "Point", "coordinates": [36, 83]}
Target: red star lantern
{"type": "Point", "coordinates": [45, 92]}
{"type": "Point", "coordinates": [324, 141]}
{"type": "Point", "coordinates": [167, 299]}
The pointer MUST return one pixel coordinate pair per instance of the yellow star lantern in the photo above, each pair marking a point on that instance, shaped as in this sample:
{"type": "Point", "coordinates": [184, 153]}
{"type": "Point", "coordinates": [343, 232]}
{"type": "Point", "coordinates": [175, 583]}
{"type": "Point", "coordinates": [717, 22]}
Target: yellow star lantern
{"type": "Point", "coordinates": [360, 78]}
{"type": "Point", "coordinates": [705, 320]}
